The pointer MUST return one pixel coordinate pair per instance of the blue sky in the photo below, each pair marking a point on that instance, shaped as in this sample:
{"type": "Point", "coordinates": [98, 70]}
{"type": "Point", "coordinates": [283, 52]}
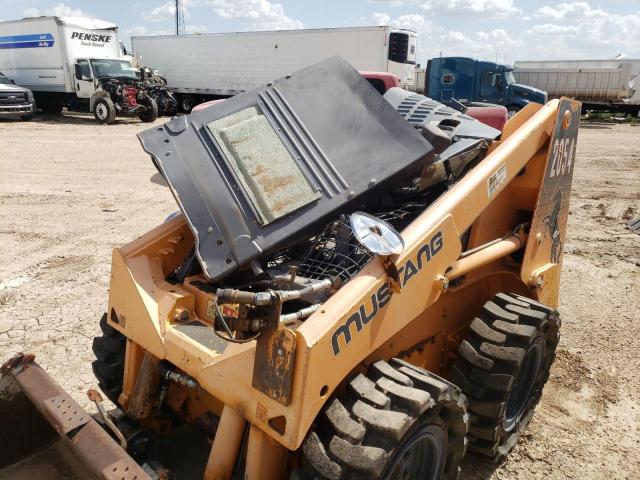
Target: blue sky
{"type": "Point", "coordinates": [505, 29]}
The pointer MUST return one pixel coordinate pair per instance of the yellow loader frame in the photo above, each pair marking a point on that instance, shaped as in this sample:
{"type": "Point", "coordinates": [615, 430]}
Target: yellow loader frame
{"type": "Point", "coordinates": [416, 305]}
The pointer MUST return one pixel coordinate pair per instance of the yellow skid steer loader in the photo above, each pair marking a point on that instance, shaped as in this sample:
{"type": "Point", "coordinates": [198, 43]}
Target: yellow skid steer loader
{"type": "Point", "coordinates": [356, 286]}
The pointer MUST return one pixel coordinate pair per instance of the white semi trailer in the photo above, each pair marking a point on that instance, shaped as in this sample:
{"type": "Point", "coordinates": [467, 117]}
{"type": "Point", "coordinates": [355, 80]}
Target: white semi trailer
{"type": "Point", "coordinates": [75, 62]}
{"type": "Point", "coordinates": [208, 66]}
{"type": "Point", "coordinates": [599, 84]}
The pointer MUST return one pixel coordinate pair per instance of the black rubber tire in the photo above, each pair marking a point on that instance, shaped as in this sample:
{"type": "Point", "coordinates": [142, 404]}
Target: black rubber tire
{"type": "Point", "coordinates": [502, 368]}
{"type": "Point", "coordinates": [108, 367]}
{"type": "Point", "coordinates": [365, 431]}
{"type": "Point", "coordinates": [150, 112]}
{"type": "Point", "coordinates": [104, 111]}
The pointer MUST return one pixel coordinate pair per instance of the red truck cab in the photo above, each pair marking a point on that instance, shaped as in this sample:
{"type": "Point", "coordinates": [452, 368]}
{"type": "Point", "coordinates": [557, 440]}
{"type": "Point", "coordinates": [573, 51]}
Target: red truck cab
{"type": "Point", "coordinates": [382, 81]}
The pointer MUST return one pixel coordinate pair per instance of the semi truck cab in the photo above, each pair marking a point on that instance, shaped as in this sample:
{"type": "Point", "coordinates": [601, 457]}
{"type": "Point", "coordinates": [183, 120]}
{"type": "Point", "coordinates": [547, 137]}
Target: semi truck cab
{"type": "Point", "coordinates": [468, 80]}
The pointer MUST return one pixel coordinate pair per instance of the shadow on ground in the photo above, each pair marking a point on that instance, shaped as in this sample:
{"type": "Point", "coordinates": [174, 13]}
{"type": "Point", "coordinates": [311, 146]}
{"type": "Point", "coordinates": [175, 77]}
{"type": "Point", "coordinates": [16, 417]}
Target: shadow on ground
{"type": "Point", "coordinates": [477, 468]}
{"type": "Point", "coordinates": [158, 180]}
{"type": "Point", "coordinates": [70, 118]}
{"type": "Point", "coordinates": [594, 126]}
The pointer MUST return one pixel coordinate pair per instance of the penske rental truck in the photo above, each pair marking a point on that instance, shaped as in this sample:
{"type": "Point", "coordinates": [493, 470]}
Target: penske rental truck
{"type": "Point", "coordinates": [74, 62]}
{"type": "Point", "coordinates": [208, 66]}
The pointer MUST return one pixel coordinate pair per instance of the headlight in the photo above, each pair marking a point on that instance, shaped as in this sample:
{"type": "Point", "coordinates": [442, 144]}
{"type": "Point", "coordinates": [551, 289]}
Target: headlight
{"type": "Point", "coordinates": [30, 97]}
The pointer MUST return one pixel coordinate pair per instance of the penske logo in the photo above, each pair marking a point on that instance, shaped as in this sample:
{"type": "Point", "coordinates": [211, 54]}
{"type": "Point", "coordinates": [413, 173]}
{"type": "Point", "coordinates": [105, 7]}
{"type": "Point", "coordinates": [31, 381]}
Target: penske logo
{"type": "Point", "coordinates": [91, 37]}
{"type": "Point", "coordinates": [369, 309]}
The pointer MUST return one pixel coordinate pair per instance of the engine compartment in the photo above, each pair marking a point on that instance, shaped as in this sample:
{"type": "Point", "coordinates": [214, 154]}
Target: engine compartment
{"type": "Point", "coordinates": [267, 180]}
{"type": "Point", "coordinates": [127, 94]}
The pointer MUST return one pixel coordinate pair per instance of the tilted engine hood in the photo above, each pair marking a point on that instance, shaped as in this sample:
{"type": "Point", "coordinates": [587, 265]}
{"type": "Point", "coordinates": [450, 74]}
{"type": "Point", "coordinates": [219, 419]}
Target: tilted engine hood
{"type": "Point", "coordinates": [254, 173]}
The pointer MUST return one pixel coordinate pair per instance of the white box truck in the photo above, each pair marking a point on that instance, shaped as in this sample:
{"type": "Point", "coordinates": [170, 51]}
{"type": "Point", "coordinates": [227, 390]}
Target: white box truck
{"type": "Point", "coordinates": [214, 65]}
{"type": "Point", "coordinates": [599, 84]}
{"type": "Point", "coordinates": [75, 62]}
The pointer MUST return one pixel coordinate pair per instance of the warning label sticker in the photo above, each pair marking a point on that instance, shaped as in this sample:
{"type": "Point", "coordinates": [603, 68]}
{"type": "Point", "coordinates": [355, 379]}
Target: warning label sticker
{"type": "Point", "coordinates": [497, 180]}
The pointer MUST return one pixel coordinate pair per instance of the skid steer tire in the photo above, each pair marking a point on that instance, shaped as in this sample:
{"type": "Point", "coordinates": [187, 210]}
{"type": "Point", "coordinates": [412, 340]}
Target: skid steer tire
{"type": "Point", "coordinates": [502, 367]}
{"type": "Point", "coordinates": [108, 367]}
{"type": "Point", "coordinates": [396, 420]}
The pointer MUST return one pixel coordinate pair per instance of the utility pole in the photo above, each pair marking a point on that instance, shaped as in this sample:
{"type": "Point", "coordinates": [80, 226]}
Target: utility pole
{"type": "Point", "coordinates": [179, 17]}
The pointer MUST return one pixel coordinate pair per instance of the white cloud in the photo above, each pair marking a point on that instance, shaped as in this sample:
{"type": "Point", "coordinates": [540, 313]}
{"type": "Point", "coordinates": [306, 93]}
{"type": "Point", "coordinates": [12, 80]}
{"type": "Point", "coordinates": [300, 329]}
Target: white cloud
{"type": "Point", "coordinates": [484, 45]}
{"type": "Point", "coordinates": [377, 19]}
{"type": "Point", "coordinates": [59, 10]}
{"type": "Point", "coordinates": [500, 38]}
{"type": "Point", "coordinates": [591, 31]}
{"type": "Point", "coordinates": [143, 30]}
{"type": "Point", "coordinates": [263, 14]}
{"type": "Point", "coordinates": [552, 29]}
{"type": "Point", "coordinates": [166, 11]}
{"type": "Point", "coordinates": [489, 8]}
{"type": "Point", "coordinates": [31, 12]}
{"type": "Point", "coordinates": [434, 39]}
{"type": "Point", "coordinates": [414, 22]}
{"type": "Point", "coordinates": [259, 14]}
{"type": "Point", "coordinates": [485, 8]}
{"type": "Point", "coordinates": [570, 11]}
{"type": "Point", "coordinates": [160, 13]}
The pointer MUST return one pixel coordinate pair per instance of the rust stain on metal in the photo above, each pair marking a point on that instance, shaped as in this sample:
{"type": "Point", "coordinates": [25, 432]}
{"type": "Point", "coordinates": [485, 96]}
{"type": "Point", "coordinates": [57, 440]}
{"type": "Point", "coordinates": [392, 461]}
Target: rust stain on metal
{"type": "Point", "coordinates": [65, 414]}
{"type": "Point", "coordinates": [92, 445]}
{"type": "Point", "coordinates": [143, 399]}
{"type": "Point", "coordinates": [103, 455]}
{"type": "Point", "coordinates": [20, 360]}
{"type": "Point", "coordinates": [274, 360]}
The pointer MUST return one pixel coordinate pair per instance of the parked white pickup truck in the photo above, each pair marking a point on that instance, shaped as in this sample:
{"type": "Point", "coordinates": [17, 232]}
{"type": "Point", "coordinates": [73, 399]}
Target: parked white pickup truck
{"type": "Point", "coordinates": [15, 101]}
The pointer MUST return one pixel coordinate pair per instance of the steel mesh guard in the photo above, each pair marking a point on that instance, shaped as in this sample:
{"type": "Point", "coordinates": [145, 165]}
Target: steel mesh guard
{"type": "Point", "coordinates": [336, 253]}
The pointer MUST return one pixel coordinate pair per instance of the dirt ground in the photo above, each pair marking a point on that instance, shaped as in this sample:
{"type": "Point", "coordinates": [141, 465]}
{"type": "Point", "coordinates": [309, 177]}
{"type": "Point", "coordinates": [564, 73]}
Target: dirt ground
{"type": "Point", "coordinates": [71, 190]}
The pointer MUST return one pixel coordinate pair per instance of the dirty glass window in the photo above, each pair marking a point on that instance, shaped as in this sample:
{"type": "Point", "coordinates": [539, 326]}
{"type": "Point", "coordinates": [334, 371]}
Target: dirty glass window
{"type": "Point", "coordinates": [487, 88]}
{"type": "Point", "coordinates": [272, 179]}
{"type": "Point", "coordinates": [509, 78]}
{"type": "Point", "coordinates": [447, 78]}
{"type": "Point", "coordinates": [85, 69]}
